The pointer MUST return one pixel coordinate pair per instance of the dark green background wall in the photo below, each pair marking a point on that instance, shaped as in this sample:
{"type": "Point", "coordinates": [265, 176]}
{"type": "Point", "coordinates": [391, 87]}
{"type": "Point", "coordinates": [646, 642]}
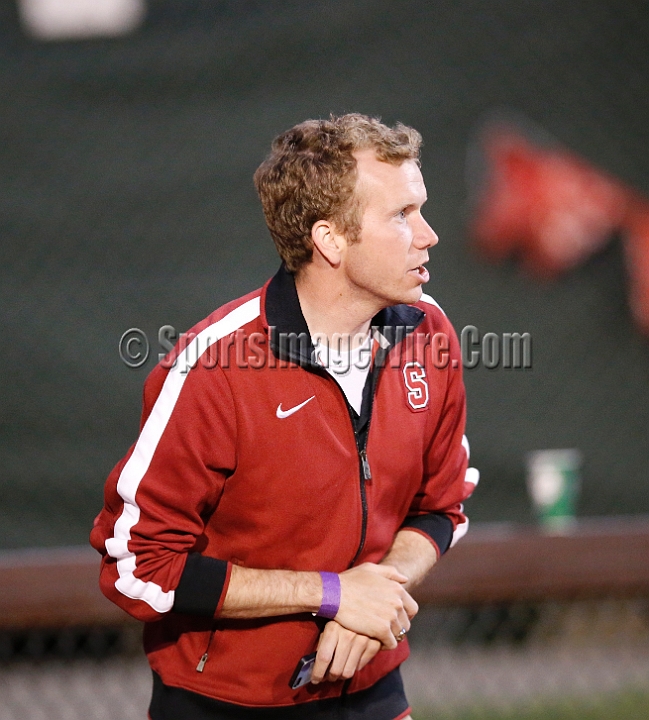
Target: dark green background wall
{"type": "Point", "coordinates": [126, 200]}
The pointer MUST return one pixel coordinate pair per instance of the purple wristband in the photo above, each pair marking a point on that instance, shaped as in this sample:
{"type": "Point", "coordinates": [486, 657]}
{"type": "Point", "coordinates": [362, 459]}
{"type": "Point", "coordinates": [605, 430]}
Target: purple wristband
{"type": "Point", "coordinates": [330, 595]}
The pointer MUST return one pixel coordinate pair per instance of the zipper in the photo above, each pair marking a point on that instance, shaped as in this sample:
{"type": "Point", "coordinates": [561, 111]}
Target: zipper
{"type": "Point", "coordinates": [365, 471]}
{"type": "Point", "coordinates": [364, 463]}
{"type": "Point", "coordinates": [203, 660]}
{"type": "Point", "coordinates": [365, 476]}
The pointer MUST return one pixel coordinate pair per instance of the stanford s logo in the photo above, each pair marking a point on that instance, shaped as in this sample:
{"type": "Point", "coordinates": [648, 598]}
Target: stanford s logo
{"type": "Point", "coordinates": [414, 376]}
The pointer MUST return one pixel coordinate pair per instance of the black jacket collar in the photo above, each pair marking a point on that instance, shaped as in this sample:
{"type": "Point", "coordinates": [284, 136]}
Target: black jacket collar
{"type": "Point", "coordinates": [289, 334]}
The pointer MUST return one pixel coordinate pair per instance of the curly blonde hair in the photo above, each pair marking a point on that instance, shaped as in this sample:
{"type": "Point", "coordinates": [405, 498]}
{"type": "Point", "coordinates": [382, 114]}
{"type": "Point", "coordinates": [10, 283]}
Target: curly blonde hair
{"type": "Point", "coordinates": [310, 175]}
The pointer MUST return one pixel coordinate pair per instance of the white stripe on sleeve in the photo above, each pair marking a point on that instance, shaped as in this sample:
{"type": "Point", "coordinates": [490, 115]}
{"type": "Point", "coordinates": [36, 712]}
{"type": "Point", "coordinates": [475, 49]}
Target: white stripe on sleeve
{"type": "Point", "coordinates": [139, 462]}
{"type": "Point", "coordinates": [460, 531]}
{"type": "Point", "coordinates": [472, 476]}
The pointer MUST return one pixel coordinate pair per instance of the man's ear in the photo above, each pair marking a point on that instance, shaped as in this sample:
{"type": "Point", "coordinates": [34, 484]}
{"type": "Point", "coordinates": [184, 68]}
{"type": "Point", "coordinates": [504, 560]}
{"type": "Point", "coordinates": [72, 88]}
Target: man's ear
{"type": "Point", "coordinates": [327, 241]}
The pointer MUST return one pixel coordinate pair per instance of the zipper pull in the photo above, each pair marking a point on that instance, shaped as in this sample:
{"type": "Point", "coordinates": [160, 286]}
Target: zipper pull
{"type": "Point", "coordinates": [203, 660]}
{"type": "Point", "coordinates": [367, 473]}
{"type": "Point", "coordinates": [201, 663]}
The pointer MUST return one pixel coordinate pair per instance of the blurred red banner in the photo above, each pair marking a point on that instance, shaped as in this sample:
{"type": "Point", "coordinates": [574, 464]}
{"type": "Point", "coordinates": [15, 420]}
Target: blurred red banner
{"type": "Point", "coordinates": [553, 210]}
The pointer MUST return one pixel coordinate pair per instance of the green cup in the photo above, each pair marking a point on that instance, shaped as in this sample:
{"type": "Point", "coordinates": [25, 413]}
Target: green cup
{"type": "Point", "coordinates": [553, 483]}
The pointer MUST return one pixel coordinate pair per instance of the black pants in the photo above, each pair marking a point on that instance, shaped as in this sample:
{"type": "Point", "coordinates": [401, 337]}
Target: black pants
{"type": "Point", "coordinates": [385, 700]}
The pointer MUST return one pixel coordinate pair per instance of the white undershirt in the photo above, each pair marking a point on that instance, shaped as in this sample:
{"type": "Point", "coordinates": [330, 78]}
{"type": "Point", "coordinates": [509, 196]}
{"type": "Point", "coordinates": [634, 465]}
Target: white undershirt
{"type": "Point", "coordinates": [348, 368]}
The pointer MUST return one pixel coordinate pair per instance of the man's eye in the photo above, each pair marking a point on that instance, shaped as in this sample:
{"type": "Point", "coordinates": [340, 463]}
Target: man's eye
{"type": "Point", "coordinates": [402, 215]}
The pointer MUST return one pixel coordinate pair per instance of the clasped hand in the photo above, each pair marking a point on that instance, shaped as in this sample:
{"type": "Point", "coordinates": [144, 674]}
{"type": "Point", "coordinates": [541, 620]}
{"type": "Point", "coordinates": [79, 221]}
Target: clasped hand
{"type": "Point", "coordinates": [374, 608]}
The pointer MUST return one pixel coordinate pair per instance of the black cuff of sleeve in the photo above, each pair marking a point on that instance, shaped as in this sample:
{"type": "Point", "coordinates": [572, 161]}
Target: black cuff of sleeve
{"type": "Point", "coordinates": [437, 526]}
{"type": "Point", "coordinates": [201, 585]}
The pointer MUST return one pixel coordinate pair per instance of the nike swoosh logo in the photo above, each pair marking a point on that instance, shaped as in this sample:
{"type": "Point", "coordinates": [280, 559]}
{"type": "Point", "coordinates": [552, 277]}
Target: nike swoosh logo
{"type": "Point", "coordinates": [281, 414]}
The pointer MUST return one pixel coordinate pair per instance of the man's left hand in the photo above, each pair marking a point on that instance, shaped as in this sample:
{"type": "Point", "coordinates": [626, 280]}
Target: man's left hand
{"type": "Point", "coordinates": [341, 653]}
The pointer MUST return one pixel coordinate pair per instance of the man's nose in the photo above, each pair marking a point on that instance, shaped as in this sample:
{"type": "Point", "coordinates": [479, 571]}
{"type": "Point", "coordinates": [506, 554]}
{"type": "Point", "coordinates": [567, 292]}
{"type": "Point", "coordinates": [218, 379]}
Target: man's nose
{"type": "Point", "coordinates": [425, 236]}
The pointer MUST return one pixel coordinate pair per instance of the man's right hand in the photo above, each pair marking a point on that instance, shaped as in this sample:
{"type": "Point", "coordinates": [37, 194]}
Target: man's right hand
{"type": "Point", "coordinates": [373, 602]}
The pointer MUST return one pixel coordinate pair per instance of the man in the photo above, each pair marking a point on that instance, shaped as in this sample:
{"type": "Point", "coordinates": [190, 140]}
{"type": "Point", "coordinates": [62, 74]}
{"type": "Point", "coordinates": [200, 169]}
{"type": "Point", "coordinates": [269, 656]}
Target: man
{"type": "Point", "coordinates": [301, 461]}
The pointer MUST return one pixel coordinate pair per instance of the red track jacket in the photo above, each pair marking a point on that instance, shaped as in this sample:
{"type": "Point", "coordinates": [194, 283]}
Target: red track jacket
{"type": "Point", "coordinates": [222, 473]}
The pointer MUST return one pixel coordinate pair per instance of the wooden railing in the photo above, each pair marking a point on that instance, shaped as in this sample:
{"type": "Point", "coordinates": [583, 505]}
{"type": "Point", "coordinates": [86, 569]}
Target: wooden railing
{"type": "Point", "coordinates": [493, 564]}
{"type": "Point", "coordinates": [501, 564]}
